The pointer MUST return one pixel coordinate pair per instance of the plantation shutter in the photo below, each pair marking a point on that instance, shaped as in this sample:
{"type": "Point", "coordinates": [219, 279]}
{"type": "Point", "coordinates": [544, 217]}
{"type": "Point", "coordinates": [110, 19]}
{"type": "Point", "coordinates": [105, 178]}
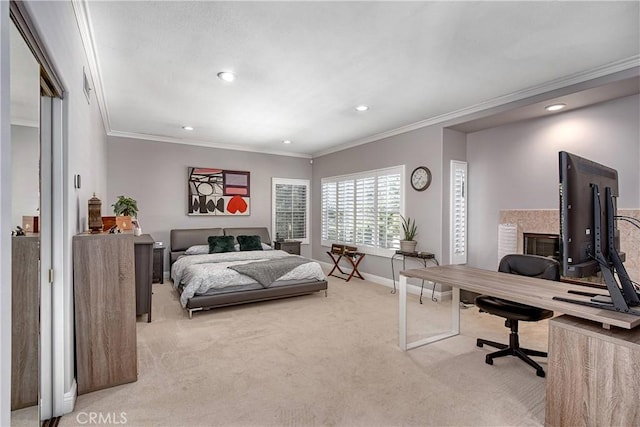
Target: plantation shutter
{"type": "Point", "coordinates": [458, 241]}
{"type": "Point", "coordinates": [329, 211]}
{"type": "Point", "coordinates": [363, 209]}
{"type": "Point", "coordinates": [346, 211]}
{"type": "Point", "coordinates": [389, 201]}
{"type": "Point", "coordinates": [291, 209]}
{"type": "Point", "coordinates": [366, 211]}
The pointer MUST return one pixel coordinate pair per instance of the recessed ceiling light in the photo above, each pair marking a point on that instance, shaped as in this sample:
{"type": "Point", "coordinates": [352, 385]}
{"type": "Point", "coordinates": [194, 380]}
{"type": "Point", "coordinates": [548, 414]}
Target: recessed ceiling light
{"type": "Point", "coordinates": [362, 108]}
{"type": "Point", "coordinates": [286, 141]}
{"type": "Point", "coordinates": [187, 127]}
{"type": "Point", "coordinates": [227, 76]}
{"type": "Point", "coordinates": [555, 107]}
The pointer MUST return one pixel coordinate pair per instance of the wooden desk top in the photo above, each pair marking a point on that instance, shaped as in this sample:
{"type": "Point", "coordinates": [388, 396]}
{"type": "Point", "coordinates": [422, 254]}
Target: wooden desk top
{"type": "Point", "coordinates": [522, 289]}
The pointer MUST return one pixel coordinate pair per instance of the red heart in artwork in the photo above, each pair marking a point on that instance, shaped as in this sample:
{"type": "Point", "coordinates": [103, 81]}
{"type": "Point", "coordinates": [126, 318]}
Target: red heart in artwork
{"type": "Point", "coordinates": [236, 203]}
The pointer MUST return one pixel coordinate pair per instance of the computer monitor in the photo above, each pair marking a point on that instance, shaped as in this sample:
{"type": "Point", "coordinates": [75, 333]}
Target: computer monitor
{"type": "Point", "coordinates": [589, 240]}
{"type": "Point", "coordinates": [577, 226]}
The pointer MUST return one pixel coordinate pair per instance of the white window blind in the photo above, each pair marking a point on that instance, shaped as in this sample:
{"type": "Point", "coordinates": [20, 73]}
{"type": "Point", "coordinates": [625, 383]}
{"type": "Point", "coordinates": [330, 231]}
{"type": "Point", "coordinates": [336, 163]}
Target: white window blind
{"type": "Point", "coordinates": [364, 210]}
{"type": "Point", "coordinates": [458, 212]}
{"type": "Point", "coordinates": [290, 209]}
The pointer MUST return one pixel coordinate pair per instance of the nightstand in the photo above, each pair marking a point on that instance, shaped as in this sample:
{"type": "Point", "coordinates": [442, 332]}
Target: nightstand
{"type": "Point", "coordinates": [158, 263]}
{"type": "Point", "coordinates": [290, 247]}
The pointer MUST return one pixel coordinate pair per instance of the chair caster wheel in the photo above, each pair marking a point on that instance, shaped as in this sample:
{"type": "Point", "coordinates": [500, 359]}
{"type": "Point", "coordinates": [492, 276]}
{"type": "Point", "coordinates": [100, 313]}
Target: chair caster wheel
{"type": "Point", "coordinates": [488, 361]}
{"type": "Point", "coordinates": [479, 343]}
{"type": "Point", "coordinates": [540, 373]}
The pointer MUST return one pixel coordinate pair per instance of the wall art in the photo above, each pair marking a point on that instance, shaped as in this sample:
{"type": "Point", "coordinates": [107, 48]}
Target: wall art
{"type": "Point", "coordinates": [218, 192]}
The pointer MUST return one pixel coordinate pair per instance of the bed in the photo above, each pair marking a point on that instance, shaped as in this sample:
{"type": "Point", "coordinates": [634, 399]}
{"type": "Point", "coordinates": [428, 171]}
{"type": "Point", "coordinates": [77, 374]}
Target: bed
{"type": "Point", "coordinates": [205, 281]}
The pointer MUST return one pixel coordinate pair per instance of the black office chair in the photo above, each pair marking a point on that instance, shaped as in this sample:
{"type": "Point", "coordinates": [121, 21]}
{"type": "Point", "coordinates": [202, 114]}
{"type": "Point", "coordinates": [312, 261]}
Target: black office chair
{"type": "Point", "coordinates": [525, 265]}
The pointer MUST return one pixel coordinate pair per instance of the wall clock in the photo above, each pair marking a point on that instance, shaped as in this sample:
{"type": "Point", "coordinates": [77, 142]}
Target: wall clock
{"type": "Point", "coordinates": [421, 178]}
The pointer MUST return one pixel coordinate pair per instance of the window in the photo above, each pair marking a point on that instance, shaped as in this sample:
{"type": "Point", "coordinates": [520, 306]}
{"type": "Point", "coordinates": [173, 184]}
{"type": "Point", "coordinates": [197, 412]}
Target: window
{"type": "Point", "coordinates": [364, 210]}
{"type": "Point", "coordinates": [290, 209]}
{"type": "Point", "coordinates": [458, 220]}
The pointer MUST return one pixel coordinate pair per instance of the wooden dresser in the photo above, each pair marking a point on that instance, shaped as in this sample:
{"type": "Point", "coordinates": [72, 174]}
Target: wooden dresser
{"type": "Point", "coordinates": [105, 310]}
{"type": "Point", "coordinates": [24, 320]}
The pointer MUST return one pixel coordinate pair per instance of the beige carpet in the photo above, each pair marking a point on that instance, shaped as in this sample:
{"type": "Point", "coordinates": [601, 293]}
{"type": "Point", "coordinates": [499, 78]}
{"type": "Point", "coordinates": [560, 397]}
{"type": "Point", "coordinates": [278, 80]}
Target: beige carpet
{"type": "Point", "coordinates": [316, 361]}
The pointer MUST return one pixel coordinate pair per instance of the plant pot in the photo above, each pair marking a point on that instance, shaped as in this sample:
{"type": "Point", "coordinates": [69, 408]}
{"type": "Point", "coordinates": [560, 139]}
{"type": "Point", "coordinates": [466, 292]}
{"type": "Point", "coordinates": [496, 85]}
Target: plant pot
{"type": "Point", "coordinates": [408, 245]}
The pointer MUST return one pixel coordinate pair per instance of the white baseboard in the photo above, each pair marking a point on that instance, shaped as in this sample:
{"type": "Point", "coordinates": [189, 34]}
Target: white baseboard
{"type": "Point", "coordinates": [69, 401]}
{"type": "Point", "coordinates": [411, 288]}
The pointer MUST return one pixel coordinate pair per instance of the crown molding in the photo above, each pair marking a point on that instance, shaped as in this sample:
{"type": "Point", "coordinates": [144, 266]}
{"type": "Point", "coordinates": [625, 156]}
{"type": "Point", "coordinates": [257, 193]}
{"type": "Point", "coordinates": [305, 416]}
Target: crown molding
{"type": "Point", "coordinates": [83, 19]}
{"type": "Point", "coordinates": [577, 78]}
{"type": "Point", "coordinates": [206, 144]}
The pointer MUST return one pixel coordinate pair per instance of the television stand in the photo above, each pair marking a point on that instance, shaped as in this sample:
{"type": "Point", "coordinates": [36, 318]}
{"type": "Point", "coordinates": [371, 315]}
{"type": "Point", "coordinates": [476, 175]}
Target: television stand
{"type": "Point", "coordinates": [622, 296]}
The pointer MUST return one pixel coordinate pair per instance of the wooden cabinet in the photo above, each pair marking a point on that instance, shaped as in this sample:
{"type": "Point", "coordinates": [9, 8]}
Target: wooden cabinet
{"type": "Point", "coordinates": [105, 310]}
{"type": "Point", "coordinates": [592, 374]}
{"type": "Point", "coordinates": [158, 264]}
{"type": "Point", "coordinates": [25, 304]}
{"type": "Point", "coordinates": [290, 247]}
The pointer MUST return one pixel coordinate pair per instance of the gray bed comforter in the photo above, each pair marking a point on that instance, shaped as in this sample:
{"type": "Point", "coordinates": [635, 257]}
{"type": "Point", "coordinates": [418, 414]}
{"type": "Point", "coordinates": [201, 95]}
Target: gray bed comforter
{"type": "Point", "coordinates": [200, 273]}
{"type": "Point", "coordinates": [267, 272]}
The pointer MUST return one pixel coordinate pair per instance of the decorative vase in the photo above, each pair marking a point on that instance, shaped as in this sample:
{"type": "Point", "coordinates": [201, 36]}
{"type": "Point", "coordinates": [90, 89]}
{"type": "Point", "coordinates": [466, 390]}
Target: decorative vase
{"type": "Point", "coordinates": [95, 215]}
{"type": "Point", "coordinates": [408, 245]}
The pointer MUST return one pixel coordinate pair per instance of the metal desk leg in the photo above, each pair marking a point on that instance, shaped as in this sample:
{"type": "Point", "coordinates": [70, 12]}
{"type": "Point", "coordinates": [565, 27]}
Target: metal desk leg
{"type": "Point", "coordinates": [393, 273]}
{"type": "Point", "coordinates": [424, 261]}
{"type": "Point", "coordinates": [393, 276]}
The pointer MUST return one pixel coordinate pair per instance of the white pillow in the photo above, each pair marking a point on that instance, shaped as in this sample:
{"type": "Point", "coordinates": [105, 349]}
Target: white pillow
{"type": "Point", "coordinates": [197, 250]}
{"type": "Point", "coordinates": [265, 247]}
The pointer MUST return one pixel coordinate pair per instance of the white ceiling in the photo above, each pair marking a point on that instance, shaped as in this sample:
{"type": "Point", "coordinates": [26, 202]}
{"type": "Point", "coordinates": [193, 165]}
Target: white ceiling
{"type": "Point", "coordinates": [302, 67]}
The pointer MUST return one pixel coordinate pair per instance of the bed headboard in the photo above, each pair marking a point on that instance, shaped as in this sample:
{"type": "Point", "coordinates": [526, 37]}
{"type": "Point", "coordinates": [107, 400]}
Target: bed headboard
{"type": "Point", "coordinates": [182, 239]}
{"type": "Point", "coordinates": [263, 232]}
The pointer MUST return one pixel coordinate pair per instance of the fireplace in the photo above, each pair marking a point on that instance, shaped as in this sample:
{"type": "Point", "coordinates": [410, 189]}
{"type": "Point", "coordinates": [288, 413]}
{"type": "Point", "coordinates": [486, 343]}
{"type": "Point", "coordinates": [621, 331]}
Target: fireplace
{"type": "Point", "coordinates": [542, 244]}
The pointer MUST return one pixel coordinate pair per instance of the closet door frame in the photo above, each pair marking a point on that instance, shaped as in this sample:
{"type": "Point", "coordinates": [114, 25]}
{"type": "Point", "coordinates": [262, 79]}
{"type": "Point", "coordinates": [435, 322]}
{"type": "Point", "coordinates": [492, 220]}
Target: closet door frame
{"type": "Point", "coordinates": [52, 213]}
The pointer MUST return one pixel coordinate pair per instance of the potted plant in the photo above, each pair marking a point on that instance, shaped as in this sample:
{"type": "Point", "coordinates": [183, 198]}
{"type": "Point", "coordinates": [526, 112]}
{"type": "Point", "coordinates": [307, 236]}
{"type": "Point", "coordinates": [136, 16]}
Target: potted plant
{"type": "Point", "coordinates": [410, 230]}
{"type": "Point", "coordinates": [126, 210]}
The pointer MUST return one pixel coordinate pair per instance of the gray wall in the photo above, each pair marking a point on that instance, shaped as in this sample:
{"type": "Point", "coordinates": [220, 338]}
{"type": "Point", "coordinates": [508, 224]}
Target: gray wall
{"type": "Point", "coordinates": [412, 149]}
{"type": "Point", "coordinates": [25, 176]}
{"type": "Point", "coordinates": [155, 174]}
{"type": "Point", "coordinates": [516, 166]}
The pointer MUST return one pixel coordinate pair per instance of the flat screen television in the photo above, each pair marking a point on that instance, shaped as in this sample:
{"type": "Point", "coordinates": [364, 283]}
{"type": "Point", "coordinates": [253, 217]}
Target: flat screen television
{"type": "Point", "coordinates": [589, 239]}
{"type": "Point", "coordinates": [577, 226]}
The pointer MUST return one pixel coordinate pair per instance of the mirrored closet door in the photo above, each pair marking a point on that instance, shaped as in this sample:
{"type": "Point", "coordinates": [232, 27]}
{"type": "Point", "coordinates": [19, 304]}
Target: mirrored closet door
{"type": "Point", "coordinates": [37, 171]}
{"type": "Point", "coordinates": [26, 226]}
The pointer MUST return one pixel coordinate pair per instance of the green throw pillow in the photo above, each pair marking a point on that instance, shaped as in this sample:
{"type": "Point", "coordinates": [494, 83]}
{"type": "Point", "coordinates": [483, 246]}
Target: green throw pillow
{"type": "Point", "coordinates": [250, 243]}
{"type": "Point", "coordinates": [219, 244]}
